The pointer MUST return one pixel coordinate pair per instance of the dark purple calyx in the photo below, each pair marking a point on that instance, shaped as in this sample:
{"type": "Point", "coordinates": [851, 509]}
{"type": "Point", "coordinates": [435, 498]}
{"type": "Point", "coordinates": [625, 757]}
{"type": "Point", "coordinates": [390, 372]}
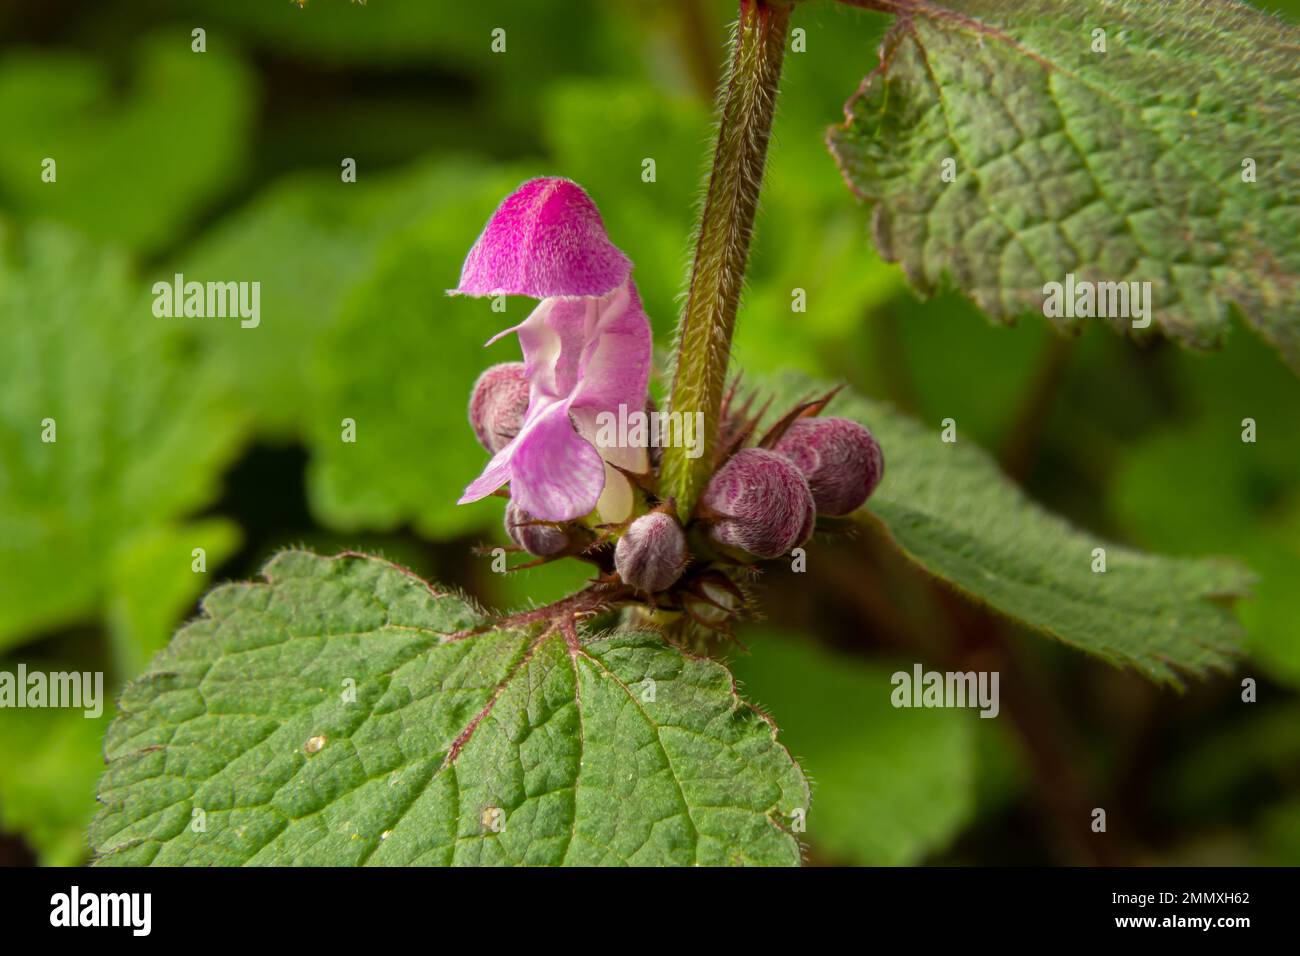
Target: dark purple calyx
{"type": "Point", "coordinates": [759, 503]}
{"type": "Point", "coordinates": [537, 538]}
{"type": "Point", "coordinates": [839, 458]}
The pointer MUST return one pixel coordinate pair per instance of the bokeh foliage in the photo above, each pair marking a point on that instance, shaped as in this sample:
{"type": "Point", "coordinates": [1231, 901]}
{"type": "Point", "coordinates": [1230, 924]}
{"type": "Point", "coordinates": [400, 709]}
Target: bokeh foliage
{"type": "Point", "coordinates": [177, 434]}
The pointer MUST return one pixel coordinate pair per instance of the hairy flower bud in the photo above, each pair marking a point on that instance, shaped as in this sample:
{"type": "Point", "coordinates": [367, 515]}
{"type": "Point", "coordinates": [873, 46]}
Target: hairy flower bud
{"type": "Point", "coordinates": [542, 540]}
{"type": "Point", "coordinates": [840, 459]}
{"type": "Point", "coordinates": [498, 403]}
{"type": "Point", "coordinates": [652, 552]}
{"type": "Point", "coordinates": [761, 502]}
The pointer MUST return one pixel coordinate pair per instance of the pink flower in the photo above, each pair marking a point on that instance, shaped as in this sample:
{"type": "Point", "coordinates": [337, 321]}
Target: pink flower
{"type": "Point", "coordinates": [587, 350]}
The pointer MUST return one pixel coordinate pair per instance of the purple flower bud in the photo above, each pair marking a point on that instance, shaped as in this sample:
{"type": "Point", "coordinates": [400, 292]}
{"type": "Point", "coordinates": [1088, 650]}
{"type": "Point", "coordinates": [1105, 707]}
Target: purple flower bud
{"type": "Point", "coordinates": [764, 503]}
{"type": "Point", "coordinates": [652, 552]}
{"type": "Point", "coordinates": [498, 403]}
{"type": "Point", "coordinates": [542, 540]}
{"type": "Point", "coordinates": [840, 459]}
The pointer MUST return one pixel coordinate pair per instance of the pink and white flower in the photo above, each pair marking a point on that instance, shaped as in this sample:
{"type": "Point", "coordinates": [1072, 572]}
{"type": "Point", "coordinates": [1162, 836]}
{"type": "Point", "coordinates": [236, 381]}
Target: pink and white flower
{"type": "Point", "coordinates": [587, 350]}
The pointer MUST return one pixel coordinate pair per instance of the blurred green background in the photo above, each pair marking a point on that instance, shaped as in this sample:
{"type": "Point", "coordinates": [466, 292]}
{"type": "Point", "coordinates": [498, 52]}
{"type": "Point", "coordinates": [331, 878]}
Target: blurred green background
{"type": "Point", "coordinates": [186, 433]}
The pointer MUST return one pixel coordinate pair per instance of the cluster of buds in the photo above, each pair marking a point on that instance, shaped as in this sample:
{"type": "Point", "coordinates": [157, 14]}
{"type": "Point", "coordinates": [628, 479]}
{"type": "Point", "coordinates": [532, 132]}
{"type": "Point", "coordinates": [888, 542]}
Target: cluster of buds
{"type": "Point", "coordinates": [764, 501]}
{"type": "Point", "coordinates": [761, 503]}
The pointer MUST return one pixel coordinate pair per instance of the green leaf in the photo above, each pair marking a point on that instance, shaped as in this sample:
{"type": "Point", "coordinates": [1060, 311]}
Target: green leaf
{"type": "Point", "coordinates": [246, 717]}
{"type": "Point", "coordinates": [889, 785]}
{"type": "Point", "coordinates": [950, 509]}
{"type": "Point", "coordinates": [1118, 166]}
{"type": "Point", "coordinates": [131, 169]}
{"type": "Point", "coordinates": [140, 432]}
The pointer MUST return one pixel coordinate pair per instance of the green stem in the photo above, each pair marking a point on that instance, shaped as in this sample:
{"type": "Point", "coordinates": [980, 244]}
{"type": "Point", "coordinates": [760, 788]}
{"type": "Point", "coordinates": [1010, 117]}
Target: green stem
{"type": "Point", "coordinates": [722, 245]}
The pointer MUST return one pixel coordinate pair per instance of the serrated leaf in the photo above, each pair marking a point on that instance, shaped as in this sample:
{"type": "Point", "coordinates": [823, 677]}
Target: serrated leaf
{"type": "Point", "coordinates": [191, 112]}
{"type": "Point", "coordinates": [889, 786]}
{"type": "Point", "coordinates": [508, 745]}
{"type": "Point", "coordinates": [140, 433]}
{"type": "Point", "coordinates": [952, 511]}
{"type": "Point", "coordinates": [1123, 165]}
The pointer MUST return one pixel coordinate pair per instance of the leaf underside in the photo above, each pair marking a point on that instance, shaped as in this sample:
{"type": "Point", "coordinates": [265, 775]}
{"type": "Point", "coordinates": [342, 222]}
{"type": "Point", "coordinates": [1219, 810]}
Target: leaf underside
{"type": "Point", "coordinates": [952, 511]}
{"type": "Point", "coordinates": [1122, 166]}
{"type": "Point", "coordinates": [462, 746]}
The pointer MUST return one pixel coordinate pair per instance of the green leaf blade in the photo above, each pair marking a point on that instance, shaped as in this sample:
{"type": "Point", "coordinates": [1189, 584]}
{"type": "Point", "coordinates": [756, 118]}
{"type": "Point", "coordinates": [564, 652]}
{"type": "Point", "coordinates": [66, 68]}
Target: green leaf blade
{"type": "Point", "coordinates": [466, 744]}
{"type": "Point", "coordinates": [1117, 166]}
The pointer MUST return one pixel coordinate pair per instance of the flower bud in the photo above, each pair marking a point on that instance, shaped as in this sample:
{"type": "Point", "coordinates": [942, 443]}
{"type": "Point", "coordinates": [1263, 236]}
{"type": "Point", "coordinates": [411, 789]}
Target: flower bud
{"type": "Point", "coordinates": [840, 459]}
{"type": "Point", "coordinates": [498, 403]}
{"type": "Point", "coordinates": [542, 540]}
{"type": "Point", "coordinates": [652, 552]}
{"type": "Point", "coordinates": [761, 504]}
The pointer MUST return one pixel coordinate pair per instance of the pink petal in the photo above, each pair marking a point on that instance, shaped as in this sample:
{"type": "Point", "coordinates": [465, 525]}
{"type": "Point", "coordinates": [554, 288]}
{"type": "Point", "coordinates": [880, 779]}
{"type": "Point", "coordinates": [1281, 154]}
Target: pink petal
{"type": "Point", "coordinates": [545, 239]}
{"type": "Point", "coordinates": [615, 368]}
{"type": "Point", "coordinates": [595, 352]}
{"type": "Point", "coordinates": [556, 475]}
{"type": "Point", "coordinates": [496, 474]}
{"type": "Point", "coordinates": [552, 339]}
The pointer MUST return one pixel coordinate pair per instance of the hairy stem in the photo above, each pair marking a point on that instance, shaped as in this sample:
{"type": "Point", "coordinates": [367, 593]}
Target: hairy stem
{"type": "Point", "coordinates": [722, 246]}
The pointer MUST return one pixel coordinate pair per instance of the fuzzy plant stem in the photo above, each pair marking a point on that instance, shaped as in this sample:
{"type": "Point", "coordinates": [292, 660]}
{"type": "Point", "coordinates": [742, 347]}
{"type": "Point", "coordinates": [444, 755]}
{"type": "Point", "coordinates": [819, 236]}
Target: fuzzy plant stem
{"type": "Point", "coordinates": [722, 244]}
